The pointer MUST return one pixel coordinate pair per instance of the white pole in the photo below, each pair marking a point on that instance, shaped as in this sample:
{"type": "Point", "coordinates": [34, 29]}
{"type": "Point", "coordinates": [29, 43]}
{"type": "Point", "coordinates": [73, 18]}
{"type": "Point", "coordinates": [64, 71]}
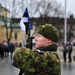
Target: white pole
{"type": "Point", "coordinates": [65, 24]}
{"type": "Point", "coordinates": [23, 33]}
{"type": "Point", "coordinates": [23, 43]}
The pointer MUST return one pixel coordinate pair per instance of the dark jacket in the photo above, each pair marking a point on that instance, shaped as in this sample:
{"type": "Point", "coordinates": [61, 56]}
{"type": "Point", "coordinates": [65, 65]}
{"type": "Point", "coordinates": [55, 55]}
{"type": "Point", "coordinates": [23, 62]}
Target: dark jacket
{"type": "Point", "coordinates": [12, 47]}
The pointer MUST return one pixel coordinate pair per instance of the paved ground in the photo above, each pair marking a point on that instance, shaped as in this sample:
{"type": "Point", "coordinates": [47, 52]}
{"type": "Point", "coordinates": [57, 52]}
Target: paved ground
{"type": "Point", "coordinates": [67, 68]}
{"type": "Point", "coordinates": [6, 67]}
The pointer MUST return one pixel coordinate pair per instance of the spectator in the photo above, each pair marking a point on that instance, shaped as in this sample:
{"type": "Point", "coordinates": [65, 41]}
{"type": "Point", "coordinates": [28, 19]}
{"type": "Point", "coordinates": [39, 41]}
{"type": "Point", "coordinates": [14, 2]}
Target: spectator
{"type": "Point", "coordinates": [12, 48]}
{"type": "Point", "coordinates": [65, 49]}
{"type": "Point", "coordinates": [70, 49]}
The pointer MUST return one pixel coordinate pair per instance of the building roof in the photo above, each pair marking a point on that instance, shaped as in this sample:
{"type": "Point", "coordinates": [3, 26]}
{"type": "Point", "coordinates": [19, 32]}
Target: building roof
{"type": "Point", "coordinates": [52, 20]}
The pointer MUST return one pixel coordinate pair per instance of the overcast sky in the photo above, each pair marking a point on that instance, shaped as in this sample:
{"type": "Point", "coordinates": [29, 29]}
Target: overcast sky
{"type": "Point", "coordinates": [70, 5]}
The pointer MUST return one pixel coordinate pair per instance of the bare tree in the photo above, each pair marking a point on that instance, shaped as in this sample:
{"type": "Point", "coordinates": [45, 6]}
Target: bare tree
{"type": "Point", "coordinates": [14, 8]}
{"type": "Point", "coordinates": [71, 23]}
{"type": "Point", "coordinates": [5, 18]}
{"type": "Point", "coordinates": [44, 9]}
{"type": "Point", "coordinates": [39, 8]}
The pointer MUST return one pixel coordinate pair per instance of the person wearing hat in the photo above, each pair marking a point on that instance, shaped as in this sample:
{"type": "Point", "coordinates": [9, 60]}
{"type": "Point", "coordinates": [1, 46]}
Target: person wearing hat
{"type": "Point", "coordinates": [44, 60]}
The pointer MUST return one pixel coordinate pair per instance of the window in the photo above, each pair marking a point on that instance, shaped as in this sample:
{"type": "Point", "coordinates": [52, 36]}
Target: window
{"type": "Point", "coordinates": [15, 36]}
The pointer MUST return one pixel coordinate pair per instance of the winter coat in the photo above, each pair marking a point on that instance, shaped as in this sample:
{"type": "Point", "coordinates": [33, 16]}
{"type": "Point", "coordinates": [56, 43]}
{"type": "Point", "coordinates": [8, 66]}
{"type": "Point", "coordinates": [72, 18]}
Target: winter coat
{"type": "Point", "coordinates": [44, 61]}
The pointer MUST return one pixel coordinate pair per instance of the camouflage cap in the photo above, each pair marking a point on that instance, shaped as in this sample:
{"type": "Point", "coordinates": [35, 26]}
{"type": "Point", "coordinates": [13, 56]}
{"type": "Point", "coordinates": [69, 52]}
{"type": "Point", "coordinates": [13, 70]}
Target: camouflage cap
{"type": "Point", "coordinates": [49, 32]}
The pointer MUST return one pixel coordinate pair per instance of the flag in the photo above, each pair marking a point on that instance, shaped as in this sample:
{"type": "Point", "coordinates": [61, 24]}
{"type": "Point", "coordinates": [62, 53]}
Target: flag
{"type": "Point", "coordinates": [25, 22]}
{"type": "Point", "coordinates": [31, 27]}
{"type": "Point", "coordinates": [30, 24]}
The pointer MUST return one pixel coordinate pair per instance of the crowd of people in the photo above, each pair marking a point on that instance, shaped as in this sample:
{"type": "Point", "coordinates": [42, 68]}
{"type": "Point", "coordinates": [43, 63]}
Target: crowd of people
{"type": "Point", "coordinates": [67, 49]}
{"type": "Point", "coordinates": [6, 48]}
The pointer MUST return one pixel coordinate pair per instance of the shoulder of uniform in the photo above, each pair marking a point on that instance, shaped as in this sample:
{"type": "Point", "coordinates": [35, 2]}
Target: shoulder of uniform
{"type": "Point", "coordinates": [38, 51]}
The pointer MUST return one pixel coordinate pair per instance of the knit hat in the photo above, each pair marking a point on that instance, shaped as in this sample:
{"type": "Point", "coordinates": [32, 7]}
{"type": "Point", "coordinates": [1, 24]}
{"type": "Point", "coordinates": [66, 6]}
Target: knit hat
{"type": "Point", "coordinates": [49, 32]}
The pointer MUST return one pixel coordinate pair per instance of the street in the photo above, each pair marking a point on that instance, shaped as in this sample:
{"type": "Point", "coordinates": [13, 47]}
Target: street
{"type": "Point", "coordinates": [6, 67]}
{"type": "Point", "coordinates": [67, 68]}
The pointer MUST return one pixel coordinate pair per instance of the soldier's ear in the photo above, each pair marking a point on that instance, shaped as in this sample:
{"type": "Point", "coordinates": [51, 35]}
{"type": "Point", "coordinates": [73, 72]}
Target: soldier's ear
{"type": "Point", "coordinates": [49, 41]}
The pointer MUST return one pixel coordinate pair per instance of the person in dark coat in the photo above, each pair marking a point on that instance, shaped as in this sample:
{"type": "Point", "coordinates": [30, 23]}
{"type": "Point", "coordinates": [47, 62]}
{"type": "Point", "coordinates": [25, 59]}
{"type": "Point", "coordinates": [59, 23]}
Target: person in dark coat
{"type": "Point", "coordinates": [70, 49]}
{"type": "Point", "coordinates": [65, 50]}
{"type": "Point", "coordinates": [11, 49]}
{"type": "Point", "coordinates": [1, 50]}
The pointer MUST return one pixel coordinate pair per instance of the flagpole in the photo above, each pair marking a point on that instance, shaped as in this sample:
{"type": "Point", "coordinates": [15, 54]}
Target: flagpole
{"type": "Point", "coordinates": [65, 24]}
{"type": "Point", "coordinates": [23, 39]}
{"type": "Point", "coordinates": [23, 35]}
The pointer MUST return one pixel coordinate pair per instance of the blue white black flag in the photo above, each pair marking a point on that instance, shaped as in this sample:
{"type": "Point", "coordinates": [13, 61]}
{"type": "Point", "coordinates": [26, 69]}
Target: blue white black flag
{"type": "Point", "coordinates": [25, 23]}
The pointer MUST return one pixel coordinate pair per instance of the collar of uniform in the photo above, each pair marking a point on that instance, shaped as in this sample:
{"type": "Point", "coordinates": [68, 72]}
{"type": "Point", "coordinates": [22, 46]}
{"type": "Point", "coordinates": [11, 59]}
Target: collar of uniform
{"type": "Point", "coordinates": [52, 47]}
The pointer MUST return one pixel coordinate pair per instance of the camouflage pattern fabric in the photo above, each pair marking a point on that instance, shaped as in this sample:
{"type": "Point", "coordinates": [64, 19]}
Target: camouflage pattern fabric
{"type": "Point", "coordinates": [33, 62]}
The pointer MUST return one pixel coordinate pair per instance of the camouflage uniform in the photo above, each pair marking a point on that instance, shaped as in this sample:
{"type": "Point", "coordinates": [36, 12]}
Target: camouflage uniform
{"type": "Point", "coordinates": [37, 62]}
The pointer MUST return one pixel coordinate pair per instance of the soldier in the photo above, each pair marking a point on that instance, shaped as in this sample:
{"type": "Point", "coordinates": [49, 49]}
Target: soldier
{"type": "Point", "coordinates": [44, 60]}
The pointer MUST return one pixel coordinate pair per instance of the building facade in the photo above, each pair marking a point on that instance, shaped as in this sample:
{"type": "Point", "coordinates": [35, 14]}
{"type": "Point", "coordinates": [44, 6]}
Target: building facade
{"type": "Point", "coordinates": [5, 21]}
